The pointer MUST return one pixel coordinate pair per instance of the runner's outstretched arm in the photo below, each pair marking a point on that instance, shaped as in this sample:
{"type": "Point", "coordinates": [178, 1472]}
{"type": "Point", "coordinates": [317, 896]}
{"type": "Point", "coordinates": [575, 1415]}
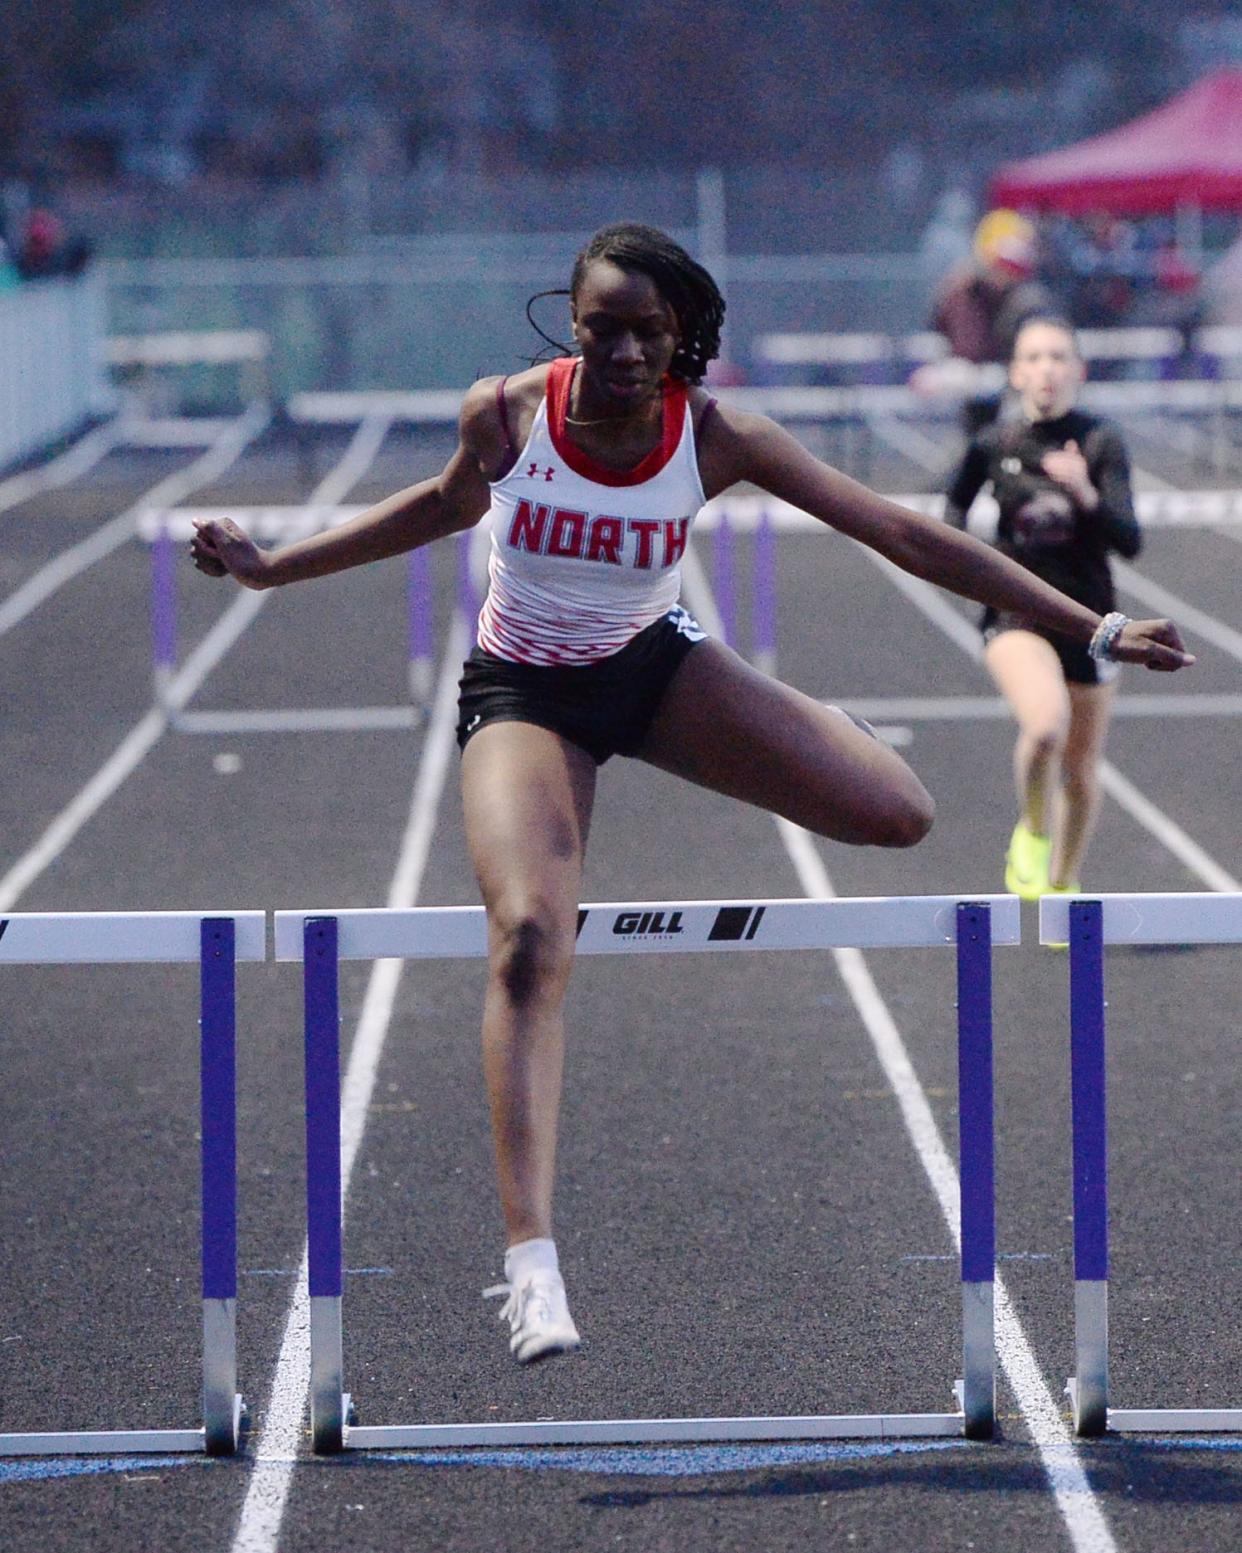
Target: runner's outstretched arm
{"type": "Point", "coordinates": [747, 447]}
{"type": "Point", "coordinates": [452, 501]}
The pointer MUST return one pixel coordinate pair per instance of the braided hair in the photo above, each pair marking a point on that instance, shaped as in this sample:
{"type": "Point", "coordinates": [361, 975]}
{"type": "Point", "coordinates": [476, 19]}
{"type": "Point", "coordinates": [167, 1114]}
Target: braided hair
{"type": "Point", "coordinates": [684, 284]}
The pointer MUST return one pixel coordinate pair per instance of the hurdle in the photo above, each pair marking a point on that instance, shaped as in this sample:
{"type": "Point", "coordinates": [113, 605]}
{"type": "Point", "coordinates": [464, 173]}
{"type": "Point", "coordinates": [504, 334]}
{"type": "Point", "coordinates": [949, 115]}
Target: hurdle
{"type": "Point", "coordinates": [216, 940]}
{"type": "Point", "coordinates": [320, 939]}
{"type": "Point", "coordinates": [249, 350]}
{"type": "Point", "coordinates": [164, 531]}
{"type": "Point", "coordinates": [1190, 918]}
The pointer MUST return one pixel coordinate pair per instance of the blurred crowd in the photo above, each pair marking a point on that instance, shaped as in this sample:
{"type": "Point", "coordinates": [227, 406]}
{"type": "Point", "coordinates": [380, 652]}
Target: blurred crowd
{"type": "Point", "coordinates": [35, 243]}
{"type": "Point", "coordinates": [1100, 272]}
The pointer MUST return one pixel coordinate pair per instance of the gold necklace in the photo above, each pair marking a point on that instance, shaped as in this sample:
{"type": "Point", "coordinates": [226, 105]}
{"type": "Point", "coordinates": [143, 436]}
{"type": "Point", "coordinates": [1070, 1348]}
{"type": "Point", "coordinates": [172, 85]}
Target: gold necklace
{"type": "Point", "coordinates": [603, 420]}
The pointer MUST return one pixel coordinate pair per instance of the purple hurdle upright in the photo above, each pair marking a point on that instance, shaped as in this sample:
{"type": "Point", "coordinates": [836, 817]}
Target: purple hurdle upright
{"type": "Point", "coordinates": [324, 1209]}
{"type": "Point", "coordinates": [467, 593]}
{"type": "Point", "coordinates": [725, 579]}
{"type": "Point", "coordinates": [163, 612]}
{"type": "Point", "coordinates": [218, 1119]}
{"type": "Point", "coordinates": [976, 1157]}
{"type": "Point", "coordinates": [763, 597]}
{"type": "Point", "coordinates": [421, 629]}
{"type": "Point", "coordinates": [972, 926]}
{"type": "Point", "coordinates": [1088, 1387]}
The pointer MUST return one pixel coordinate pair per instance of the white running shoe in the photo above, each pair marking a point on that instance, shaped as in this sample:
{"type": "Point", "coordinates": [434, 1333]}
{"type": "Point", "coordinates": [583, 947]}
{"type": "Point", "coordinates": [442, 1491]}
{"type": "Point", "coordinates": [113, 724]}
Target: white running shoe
{"type": "Point", "coordinates": [540, 1325]}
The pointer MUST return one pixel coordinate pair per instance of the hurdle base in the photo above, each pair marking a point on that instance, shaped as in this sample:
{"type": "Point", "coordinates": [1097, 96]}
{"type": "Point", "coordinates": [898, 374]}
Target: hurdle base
{"type": "Point", "coordinates": [120, 1442]}
{"type": "Point", "coordinates": [1175, 1420]}
{"type": "Point", "coordinates": [976, 1391]}
{"type": "Point", "coordinates": [653, 1431]}
{"type": "Point", "coordinates": [1159, 1420]}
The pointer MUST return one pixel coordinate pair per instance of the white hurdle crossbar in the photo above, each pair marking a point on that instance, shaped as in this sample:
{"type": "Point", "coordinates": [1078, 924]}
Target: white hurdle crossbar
{"type": "Point", "coordinates": [216, 941]}
{"type": "Point", "coordinates": [973, 925]}
{"type": "Point", "coordinates": [1088, 924]}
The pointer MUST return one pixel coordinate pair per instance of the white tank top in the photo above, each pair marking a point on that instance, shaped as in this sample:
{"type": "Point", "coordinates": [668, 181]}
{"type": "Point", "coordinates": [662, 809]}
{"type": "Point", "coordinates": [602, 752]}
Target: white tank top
{"type": "Point", "coordinates": [583, 557]}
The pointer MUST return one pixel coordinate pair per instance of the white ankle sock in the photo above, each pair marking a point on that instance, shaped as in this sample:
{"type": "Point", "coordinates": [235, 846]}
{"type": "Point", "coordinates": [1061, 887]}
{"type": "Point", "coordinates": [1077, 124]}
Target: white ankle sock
{"type": "Point", "coordinates": [528, 1258]}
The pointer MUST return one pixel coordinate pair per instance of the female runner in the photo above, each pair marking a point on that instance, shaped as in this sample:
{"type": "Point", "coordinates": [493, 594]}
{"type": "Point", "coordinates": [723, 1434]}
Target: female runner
{"type": "Point", "coordinates": [590, 470]}
{"type": "Point", "coordinates": [1062, 481]}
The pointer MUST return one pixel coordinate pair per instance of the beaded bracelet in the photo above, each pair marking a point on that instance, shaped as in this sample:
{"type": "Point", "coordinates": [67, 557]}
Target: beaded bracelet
{"type": "Point", "coordinates": [1106, 636]}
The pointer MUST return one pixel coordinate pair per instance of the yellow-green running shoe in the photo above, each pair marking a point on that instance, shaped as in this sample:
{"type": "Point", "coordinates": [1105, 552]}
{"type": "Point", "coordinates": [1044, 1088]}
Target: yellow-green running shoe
{"type": "Point", "coordinates": [1026, 863]}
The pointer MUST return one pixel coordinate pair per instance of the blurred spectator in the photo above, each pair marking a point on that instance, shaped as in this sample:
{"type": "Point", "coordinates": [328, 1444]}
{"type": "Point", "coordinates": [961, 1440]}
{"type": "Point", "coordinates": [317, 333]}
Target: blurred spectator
{"type": "Point", "coordinates": [47, 249]}
{"type": "Point", "coordinates": [980, 305]}
{"type": "Point", "coordinates": [1107, 264]}
{"type": "Point", "coordinates": [9, 278]}
{"type": "Point", "coordinates": [946, 239]}
{"type": "Point", "coordinates": [1222, 288]}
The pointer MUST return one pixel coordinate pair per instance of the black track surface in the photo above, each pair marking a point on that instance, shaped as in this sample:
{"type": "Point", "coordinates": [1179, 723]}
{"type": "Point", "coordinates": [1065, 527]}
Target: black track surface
{"type": "Point", "coordinates": [744, 1224]}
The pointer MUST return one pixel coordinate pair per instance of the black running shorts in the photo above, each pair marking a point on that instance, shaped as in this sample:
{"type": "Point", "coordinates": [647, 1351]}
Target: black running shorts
{"type": "Point", "coordinates": [1077, 664]}
{"type": "Point", "coordinates": [605, 707]}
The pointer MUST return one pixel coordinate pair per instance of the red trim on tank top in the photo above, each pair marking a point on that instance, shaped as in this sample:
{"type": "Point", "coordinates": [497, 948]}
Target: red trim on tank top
{"type": "Point", "coordinates": [673, 412]}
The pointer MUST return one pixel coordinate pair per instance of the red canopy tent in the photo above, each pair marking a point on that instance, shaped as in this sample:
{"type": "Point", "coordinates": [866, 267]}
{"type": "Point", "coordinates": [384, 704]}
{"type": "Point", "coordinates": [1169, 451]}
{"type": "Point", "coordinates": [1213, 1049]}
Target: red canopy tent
{"type": "Point", "coordinates": [1186, 153]}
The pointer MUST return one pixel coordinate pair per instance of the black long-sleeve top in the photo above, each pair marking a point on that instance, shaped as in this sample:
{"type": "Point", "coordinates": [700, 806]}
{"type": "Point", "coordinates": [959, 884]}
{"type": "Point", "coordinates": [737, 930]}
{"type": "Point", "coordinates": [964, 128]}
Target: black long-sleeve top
{"type": "Point", "coordinates": [1041, 526]}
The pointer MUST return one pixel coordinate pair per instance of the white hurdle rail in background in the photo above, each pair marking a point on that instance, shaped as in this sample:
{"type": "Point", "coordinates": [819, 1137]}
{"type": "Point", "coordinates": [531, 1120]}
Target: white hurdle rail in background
{"type": "Point", "coordinates": [249, 350]}
{"type": "Point", "coordinates": [215, 941]}
{"type": "Point", "coordinates": [1088, 924]}
{"type": "Point", "coordinates": [972, 925]}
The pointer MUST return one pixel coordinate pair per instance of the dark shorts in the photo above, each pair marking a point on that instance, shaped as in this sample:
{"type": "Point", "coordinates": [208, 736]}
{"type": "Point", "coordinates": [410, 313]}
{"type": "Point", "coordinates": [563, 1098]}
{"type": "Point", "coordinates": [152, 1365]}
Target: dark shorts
{"type": "Point", "coordinates": [1077, 664]}
{"type": "Point", "coordinates": [605, 707]}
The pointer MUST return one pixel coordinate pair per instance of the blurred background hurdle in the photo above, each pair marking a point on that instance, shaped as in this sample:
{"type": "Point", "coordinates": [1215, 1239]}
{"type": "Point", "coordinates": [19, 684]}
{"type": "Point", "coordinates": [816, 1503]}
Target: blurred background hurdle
{"type": "Point", "coordinates": [872, 357]}
{"type": "Point", "coordinates": [216, 941]}
{"type": "Point", "coordinates": [972, 926]}
{"type": "Point", "coordinates": [1193, 918]}
{"type": "Point", "coordinates": [165, 373]}
{"type": "Point", "coordinates": [169, 533]}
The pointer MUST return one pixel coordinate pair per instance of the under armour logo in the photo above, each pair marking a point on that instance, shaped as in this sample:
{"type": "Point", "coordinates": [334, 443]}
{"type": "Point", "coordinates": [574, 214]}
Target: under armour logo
{"type": "Point", "coordinates": [534, 472]}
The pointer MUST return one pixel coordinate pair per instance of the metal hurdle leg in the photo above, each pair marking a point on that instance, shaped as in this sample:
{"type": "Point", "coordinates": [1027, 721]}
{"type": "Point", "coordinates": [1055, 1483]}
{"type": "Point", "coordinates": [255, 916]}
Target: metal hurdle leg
{"type": "Point", "coordinates": [1088, 1387]}
{"type": "Point", "coordinates": [329, 1405]}
{"type": "Point", "coordinates": [222, 1405]}
{"type": "Point", "coordinates": [977, 1394]}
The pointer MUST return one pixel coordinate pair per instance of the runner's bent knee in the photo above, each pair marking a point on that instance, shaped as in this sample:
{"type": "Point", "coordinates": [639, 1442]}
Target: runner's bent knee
{"type": "Point", "coordinates": [531, 952]}
{"type": "Point", "coordinates": [1046, 740]}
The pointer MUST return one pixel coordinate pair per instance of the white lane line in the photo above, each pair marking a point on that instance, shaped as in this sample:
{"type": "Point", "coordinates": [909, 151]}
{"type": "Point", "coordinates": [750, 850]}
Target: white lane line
{"type": "Point", "coordinates": [913, 444]}
{"type": "Point", "coordinates": [68, 466]}
{"type": "Point", "coordinates": [1166, 831]}
{"type": "Point", "coordinates": [937, 709]}
{"type": "Point", "coordinates": [129, 754]}
{"type": "Point", "coordinates": [358, 457]}
{"type": "Point", "coordinates": [277, 1446]}
{"type": "Point", "coordinates": [1083, 1516]}
{"type": "Point", "coordinates": [1167, 603]}
{"type": "Point", "coordinates": [70, 563]}
{"type": "Point", "coordinates": [141, 739]}
{"type": "Point", "coordinates": [1080, 1509]}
